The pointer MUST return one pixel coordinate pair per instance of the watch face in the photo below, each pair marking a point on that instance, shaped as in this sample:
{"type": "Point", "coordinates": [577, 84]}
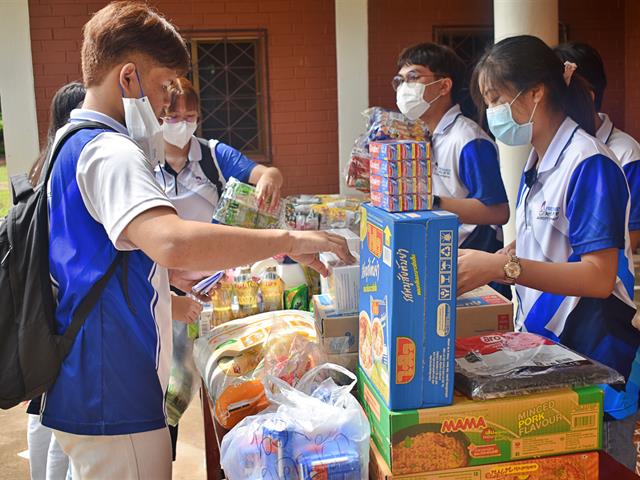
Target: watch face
{"type": "Point", "coordinates": [512, 269]}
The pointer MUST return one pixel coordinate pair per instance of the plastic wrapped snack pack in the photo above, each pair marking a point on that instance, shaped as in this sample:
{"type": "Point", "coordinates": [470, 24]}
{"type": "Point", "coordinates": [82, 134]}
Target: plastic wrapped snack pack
{"type": "Point", "coordinates": [239, 206]}
{"type": "Point", "coordinates": [184, 380]}
{"type": "Point", "coordinates": [316, 430]}
{"type": "Point", "coordinates": [518, 363]}
{"type": "Point", "coordinates": [234, 358]}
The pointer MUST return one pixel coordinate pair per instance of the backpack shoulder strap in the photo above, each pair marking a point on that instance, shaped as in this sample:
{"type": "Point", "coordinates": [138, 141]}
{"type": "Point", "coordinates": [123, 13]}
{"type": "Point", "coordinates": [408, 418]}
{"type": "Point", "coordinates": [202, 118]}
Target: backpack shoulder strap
{"type": "Point", "coordinates": [209, 166]}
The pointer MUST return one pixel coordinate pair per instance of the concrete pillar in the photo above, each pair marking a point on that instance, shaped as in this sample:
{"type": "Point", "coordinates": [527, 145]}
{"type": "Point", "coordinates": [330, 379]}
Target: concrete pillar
{"type": "Point", "coordinates": [352, 56]}
{"type": "Point", "coordinates": [17, 94]}
{"type": "Point", "coordinates": [511, 18]}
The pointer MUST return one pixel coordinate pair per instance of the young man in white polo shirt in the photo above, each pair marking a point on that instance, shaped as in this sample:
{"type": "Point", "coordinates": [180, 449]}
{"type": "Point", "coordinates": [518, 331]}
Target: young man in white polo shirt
{"type": "Point", "coordinates": [625, 147]}
{"type": "Point", "coordinates": [466, 172]}
{"type": "Point", "coordinates": [107, 404]}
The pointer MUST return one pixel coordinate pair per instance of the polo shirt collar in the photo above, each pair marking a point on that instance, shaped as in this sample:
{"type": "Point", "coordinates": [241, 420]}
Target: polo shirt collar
{"type": "Point", "coordinates": [80, 114]}
{"type": "Point", "coordinates": [556, 148]}
{"type": "Point", "coordinates": [604, 132]}
{"type": "Point", "coordinates": [448, 120]}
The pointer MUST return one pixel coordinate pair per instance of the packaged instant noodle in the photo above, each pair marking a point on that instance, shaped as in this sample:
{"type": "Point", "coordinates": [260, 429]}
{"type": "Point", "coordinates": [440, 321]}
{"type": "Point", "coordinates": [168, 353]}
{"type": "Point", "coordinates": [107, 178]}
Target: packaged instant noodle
{"type": "Point", "coordinates": [235, 357]}
{"type": "Point", "coordinates": [519, 363]}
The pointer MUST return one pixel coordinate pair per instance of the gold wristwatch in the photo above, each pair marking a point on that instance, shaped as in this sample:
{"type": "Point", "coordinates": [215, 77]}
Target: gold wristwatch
{"type": "Point", "coordinates": [512, 270]}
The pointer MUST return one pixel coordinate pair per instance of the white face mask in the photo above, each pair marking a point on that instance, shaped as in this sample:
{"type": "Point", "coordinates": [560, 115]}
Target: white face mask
{"type": "Point", "coordinates": [410, 99]}
{"type": "Point", "coordinates": [179, 133]}
{"type": "Point", "coordinates": [143, 126]}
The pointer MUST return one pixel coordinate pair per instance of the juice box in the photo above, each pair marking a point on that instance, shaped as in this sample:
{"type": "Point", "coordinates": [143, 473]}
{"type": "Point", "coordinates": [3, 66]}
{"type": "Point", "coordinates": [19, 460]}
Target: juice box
{"type": "Point", "coordinates": [406, 324]}
{"type": "Point", "coordinates": [472, 433]}
{"type": "Point", "coordinates": [582, 466]}
{"type": "Point", "coordinates": [399, 150]}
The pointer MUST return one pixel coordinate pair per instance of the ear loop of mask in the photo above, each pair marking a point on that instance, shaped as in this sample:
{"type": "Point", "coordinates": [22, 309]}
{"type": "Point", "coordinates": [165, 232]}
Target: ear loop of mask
{"type": "Point", "coordinates": [535, 105]}
{"type": "Point", "coordinates": [432, 83]}
{"type": "Point", "coordinates": [139, 84]}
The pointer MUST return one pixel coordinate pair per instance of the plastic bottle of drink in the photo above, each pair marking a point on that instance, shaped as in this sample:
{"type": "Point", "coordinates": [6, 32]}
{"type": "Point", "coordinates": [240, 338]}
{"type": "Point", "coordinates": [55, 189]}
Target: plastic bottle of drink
{"type": "Point", "coordinates": [296, 290]}
{"type": "Point", "coordinates": [272, 289]}
{"type": "Point", "coordinates": [222, 301]}
{"type": "Point", "coordinates": [247, 293]}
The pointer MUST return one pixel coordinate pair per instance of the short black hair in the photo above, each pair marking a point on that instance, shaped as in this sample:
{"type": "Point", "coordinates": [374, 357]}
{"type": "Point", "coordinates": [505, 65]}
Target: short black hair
{"type": "Point", "coordinates": [443, 61]}
{"type": "Point", "coordinates": [590, 66]}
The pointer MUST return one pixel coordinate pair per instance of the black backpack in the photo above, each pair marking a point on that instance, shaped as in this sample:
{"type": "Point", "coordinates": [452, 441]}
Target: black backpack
{"type": "Point", "coordinates": [209, 166]}
{"type": "Point", "coordinates": [30, 350]}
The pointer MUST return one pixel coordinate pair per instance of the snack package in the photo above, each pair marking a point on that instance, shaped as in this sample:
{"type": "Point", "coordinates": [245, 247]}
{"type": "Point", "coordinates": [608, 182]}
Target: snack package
{"type": "Point", "coordinates": [402, 168]}
{"type": "Point", "coordinates": [322, 212]}
{"type": "Point", "coordinates": [519, 363]}
{"type": "Point", "coordinates": [239, 207]}
{"type": "Point", "coordinates": [386, 125]}
{"type": "Point", "coordinates": [232, 359]}
{"type": "Point", "coordinates": [401, 203]}
{"type": "Point", "coordinates": [316, 430]}
{"type": "Point", "coordinates": [399, 186]}
{"type": "Point", "coordinates": [358, 168]}
{"type": "Point", "coordinates": [184, 380]}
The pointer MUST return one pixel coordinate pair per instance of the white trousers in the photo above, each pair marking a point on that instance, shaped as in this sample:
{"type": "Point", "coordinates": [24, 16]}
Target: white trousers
{"type": "Point", "coordinates": [47, 461]}
{"type": "Point", "coordinates": [137, 456]}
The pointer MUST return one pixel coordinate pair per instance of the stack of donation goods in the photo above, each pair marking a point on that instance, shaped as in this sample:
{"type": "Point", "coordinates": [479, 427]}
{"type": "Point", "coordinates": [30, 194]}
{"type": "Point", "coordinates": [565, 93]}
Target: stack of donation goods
{"type": "Point", "coordinates": [381, 125]}
{"type": "Point", "coordinates": [280, 409]}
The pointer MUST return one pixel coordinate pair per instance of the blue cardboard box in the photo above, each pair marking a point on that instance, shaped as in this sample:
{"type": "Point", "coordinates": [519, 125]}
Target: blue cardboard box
{"type": "Point", "coordinates": [406, 323]}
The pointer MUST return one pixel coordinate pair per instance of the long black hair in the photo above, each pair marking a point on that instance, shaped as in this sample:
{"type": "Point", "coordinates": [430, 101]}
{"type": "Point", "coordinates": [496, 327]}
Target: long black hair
{"type": "Point", "coordinates": [590, 66]}
{"type": "Point", "coordinates": [526, 61]}
{"type": "Point", "coordinates": [65, 99]}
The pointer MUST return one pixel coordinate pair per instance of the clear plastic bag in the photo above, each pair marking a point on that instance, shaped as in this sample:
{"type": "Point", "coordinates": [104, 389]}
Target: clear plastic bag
{"type": "Point", "coordinates": [316, 430]}
{"type": "Point", "coordinates": [184, 380]}
{"type": "Point", "coordinates": [518, 363]}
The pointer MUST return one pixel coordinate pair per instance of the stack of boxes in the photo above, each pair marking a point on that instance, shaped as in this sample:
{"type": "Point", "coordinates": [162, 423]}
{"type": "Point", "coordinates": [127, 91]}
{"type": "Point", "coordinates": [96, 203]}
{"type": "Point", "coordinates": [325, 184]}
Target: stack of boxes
{"type": "Point", "coordinates": [400, 177]}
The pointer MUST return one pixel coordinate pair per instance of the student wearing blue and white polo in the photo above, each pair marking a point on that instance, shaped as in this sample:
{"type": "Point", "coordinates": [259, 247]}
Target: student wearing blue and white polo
{"type": "Point", "coordinates": [625, 147]}
{"type": "Point", "coordinates": [466, 172]}
{"type": "Point", "coordinates": [573, 271]}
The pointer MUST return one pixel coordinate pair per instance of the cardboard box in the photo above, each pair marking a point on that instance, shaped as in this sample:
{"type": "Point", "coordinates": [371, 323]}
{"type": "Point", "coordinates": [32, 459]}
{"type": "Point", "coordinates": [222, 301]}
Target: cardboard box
{"type": "Point", "coordinates": [482, 311]}
{"type": "Point", "coordinates": [347, 360]}
{"type": "Point", "coordinates": [342, 283]}
{"type": "Point", "coordinates": [471, 433]}
{"type": "Point", "coordinates": [406, 324]}
{"type": "Point", "coordinates": [337, 330]}
{"type": "Point", "coordinates": [352, 239]}
{"type": "Point", "coordinates": [583, 466]}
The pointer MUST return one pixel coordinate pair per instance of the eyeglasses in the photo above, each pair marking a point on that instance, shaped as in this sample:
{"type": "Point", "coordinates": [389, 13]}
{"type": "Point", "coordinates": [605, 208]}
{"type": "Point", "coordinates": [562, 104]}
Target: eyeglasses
{"type": "Point", "coordinates": [179, 118]}
{"type": "Point", "coordinates": [411, 77]}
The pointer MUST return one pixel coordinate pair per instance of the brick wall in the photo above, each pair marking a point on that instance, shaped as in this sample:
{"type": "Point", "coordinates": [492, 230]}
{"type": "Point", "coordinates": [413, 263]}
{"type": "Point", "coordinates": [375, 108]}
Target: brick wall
{"type": "Point", "coordinates": [302, 70]}
{"type": "Point", "coordinates": [632, 69]}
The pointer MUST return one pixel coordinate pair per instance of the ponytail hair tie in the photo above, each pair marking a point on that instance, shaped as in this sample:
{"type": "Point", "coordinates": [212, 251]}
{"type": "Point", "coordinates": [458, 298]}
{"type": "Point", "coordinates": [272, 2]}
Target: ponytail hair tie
{"type": "Point", "coordinates": [569, 68]}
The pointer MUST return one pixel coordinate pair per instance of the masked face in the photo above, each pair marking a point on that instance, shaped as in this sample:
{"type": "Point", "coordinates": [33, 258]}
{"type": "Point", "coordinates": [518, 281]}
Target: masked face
{"type": "Point", "coordinates": [143, 126]}
{"type": "Point", "coordinates": [505, 128]}
{"type": "Point", "coordinates": [179, 133]}
{"type": "Point", "coordinates": [410, 99]}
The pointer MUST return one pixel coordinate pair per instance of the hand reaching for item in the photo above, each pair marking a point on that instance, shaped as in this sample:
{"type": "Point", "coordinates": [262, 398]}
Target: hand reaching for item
{"type": "Point", "coordinates": [268, 189]}
{"type": "Point", "coordinates": [185, 309]}
{"type": "Point", "coordinates": [477, 268]}
{"type": "Point", "coordinates": [306, 245]}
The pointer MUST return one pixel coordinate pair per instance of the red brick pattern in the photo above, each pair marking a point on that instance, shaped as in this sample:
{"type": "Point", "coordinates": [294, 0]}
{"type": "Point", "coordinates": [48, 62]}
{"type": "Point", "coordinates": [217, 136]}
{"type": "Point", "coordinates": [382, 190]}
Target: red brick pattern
{"type": "Point", "coordinates": [302, 70]}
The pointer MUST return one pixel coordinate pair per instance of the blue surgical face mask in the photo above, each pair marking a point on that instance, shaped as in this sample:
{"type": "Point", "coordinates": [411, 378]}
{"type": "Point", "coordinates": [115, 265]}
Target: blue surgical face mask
{"type": "Point", "coordinates": [505, 128]}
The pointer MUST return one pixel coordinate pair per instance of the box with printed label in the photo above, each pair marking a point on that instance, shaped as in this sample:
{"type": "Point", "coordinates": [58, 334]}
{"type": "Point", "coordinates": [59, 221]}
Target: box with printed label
{"type": "Point", "coordinates": [406, 324]}
{"type": "Point", "coordinates": [577, 466]}
{"type": "Point", "coordinates": [338, 331]}
{"type": "Point", "coordinates": [471, 433]}
{"type": "Point", "coordinates": [404, 168]}
{"type": "Point", "coordinates": [482, 311]}
{"type": "Point", "coordinates": [399, 150]}
{"type": "Point", "coordinates": [401, 203]}
{"type": "Point", "coordinates": [342, 283]}
{"type": "Point", "coordinates": [399, 186]}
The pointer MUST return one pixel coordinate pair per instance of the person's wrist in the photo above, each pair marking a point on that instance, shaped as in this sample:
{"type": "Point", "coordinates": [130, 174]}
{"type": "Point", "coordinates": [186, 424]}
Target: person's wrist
{"type": "Point", "coordinates": [497, 270]}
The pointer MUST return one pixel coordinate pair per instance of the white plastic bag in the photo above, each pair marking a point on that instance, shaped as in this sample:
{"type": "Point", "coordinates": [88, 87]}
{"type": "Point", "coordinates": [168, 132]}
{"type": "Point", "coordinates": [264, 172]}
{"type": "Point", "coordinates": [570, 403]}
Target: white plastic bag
{"type": "Point", "coordinates": [316, 430]}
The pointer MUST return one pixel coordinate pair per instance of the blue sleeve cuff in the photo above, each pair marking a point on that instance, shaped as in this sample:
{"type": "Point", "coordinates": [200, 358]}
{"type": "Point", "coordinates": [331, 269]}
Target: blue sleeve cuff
{"type": "Point", "coordinates": [597, 245]}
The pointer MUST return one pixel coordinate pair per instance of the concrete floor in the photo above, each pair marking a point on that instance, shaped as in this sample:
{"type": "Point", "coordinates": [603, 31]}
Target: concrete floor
{"type": "Point", "coordinates": [189, 465]}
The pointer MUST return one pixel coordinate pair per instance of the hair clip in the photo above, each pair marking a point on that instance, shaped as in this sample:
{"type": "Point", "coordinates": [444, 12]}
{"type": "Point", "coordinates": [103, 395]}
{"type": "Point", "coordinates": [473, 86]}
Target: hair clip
{"type": "Point", "coordinates": [569, 68]}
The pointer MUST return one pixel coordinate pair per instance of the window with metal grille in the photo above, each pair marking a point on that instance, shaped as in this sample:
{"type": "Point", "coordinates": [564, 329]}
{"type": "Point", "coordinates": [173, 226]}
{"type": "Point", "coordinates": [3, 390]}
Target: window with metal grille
{"type": "Point", "coordinates": [229, 71]}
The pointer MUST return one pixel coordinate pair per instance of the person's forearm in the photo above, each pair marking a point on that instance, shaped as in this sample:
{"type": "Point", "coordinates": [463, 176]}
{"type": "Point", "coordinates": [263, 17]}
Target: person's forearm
{"type": "Point", "coordinates": [472, 211]}
{"type": "Point", "coordinates": [635, 240]}
{"type": "Point", "coordinates": [576, 279]}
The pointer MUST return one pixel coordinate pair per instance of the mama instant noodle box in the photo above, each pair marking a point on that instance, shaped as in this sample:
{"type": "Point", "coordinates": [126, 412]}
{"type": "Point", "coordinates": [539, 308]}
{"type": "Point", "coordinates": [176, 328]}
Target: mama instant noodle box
{"type": "Point", "coordinates": [406, 322]}
{"type": "Point", "coordinates": [579, 466]}
{"type": "Point", "coordinates": [473, 433]}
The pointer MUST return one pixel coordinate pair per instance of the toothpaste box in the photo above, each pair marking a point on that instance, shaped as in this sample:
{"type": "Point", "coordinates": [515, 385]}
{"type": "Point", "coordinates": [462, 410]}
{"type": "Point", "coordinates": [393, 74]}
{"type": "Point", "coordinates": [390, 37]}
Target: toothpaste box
{"type": "Point", "coordinates": [399, 186]}
{"type": "Point", "coordinates": [399, 150]}
{"type": "Point", "coordinates": [406, 324]}
{"type": "Point", "coordinates": [403, 168]}
{"type": "Point", "coordinates": [401, 203]}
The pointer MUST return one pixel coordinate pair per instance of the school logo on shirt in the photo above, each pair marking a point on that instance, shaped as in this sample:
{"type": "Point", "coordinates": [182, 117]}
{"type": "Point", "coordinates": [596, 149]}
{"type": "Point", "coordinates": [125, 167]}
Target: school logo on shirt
{"type": "Point", "coordinates": [548, 213]}
{"type": "Point", "coordinates": [441, 171]}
